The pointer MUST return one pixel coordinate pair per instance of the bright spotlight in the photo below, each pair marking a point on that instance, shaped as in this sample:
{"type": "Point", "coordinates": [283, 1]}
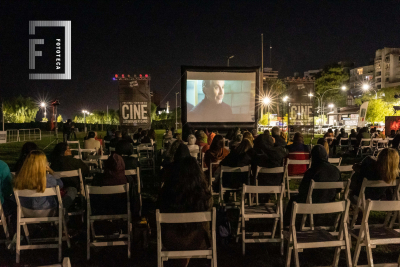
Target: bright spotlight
{"type": "Point", "coordinates": [310, 95]}
{"type": "Point", "coordinates": [365, 87]}
{"type": "Point", "coordinates": [331, 105]}
{"type": "Point", "coordinates": [343, 87]}
{"type": "Point", "coordinates": [42, 104]}
{"type": "Point", "coordinates": [285, 98]}
{"type": "Point", "coordinates": [266, 100]}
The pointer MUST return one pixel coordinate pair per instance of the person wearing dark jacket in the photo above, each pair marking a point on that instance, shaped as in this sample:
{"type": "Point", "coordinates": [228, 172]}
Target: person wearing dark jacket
{"type": "Point", "coordinates": [321, 171]}
{"type": "Point", "coordinates": [276, 134]}
{"type": "Point", "coordinates": [67, 130]}
{"type": "Point", "coordinates": [62, 160]}
{"type": "Point", "coordinates": [25, 150]}
{"type": "Point", "coordinates": [337, 141]}
{"type": "Point", "coordinates": [181, 151]}
{"type": "Point", "coordinates": [114, 141]}
{"type": "Point", "coordinates": [125, 150]}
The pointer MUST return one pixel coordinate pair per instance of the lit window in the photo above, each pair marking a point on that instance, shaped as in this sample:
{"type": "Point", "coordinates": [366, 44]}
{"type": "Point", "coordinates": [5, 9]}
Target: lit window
{"type": "Point", "coordinates": [360, 71]}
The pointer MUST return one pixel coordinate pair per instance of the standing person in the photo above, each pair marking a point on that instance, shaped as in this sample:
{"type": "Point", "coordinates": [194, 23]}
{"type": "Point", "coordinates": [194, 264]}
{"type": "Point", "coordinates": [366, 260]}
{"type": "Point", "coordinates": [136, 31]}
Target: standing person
{"type": "Point", "coordinates": [321, 171]}
{"type": "Point", "coordinates": [67, 130]}
{"type": "Point", "coordinates": [185, 191]}
{"type": "Point", "coordinates": [392, 134]}
{"type": "Point", "coordinates": [276, 134]}
{"type": "Point", "coordinates": [73, 130]}
{"type": "Point", "coordinates": [33, 176]}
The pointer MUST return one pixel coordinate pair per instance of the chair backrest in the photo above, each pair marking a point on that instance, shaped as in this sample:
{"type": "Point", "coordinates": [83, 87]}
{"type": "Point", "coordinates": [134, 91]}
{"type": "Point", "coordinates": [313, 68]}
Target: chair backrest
{"type": "Point", "coordinates": [320, 208]}
{"type": "Point", "coordinates": [297, 163]}
{"type": "Point", "coordinates": [112, 149]}
{"type": "Point", "coordinates": [52, 191]}
{"type": "Point", "coordinates": [211, 167]}
{"type": "Point", "coordinates": [335, 160]}
{"type": "Point", "coordinates": [344, 139]}
{"type": "Point", "coordinates": [365, 140]}
{"type": "Point", "coordinates": [189, 217]}
{"type": "Point", "coordinates": [137, 174]}
{"type": "Point", "coordinates": [73, 173]}
{"type": "Point", "coordinates": [252, 189]}
{"type": "Point", "coordinates": [377, 183]}
{"type": "Point", "coordinates": [346, 168]}
{"type": "Point", "coordinates": [107, 190]}
{"type": "Point", "coordinates": [227, 169]}
{"type": "Point", "coordinates": [343, 185]}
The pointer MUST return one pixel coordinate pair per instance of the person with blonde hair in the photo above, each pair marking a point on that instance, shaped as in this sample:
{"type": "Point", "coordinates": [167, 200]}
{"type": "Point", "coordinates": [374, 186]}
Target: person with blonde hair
{"type": "Point", "coordinates": [33, 176]}
{"type": "Point", "coordinates": [383, 167]}
{"type": "Point", "coordinates": [249, 136]}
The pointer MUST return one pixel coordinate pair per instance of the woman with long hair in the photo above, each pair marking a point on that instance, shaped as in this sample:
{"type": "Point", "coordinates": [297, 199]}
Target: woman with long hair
{"type": "Point", "coordinates": [249, 136]}
{"type": "Point", "coordinates": [324, 143]}
{"type": "Point", "coordinates": [33, 175]}
{"type": "Point", "coordinates": [185, 191]}
{"type": "Point", "coordinates": [385, 167]}
{"type": "Point", "coordinates": [216, 152]}
{"type": "Point", "coordinates": [26, 149]}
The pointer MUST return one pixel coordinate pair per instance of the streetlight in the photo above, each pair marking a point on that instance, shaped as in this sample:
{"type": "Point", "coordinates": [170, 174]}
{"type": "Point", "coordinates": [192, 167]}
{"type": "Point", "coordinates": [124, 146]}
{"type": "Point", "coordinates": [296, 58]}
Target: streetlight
{"type": "Point", "coordinates": [331, 106]}
{"type": "Point", "coordinates": [266, 102]}
{"type": "Point", "coordinates": [321, 97]}
{"type": "Point", "coordinates": [230, 58]}
{"type": "Point", "coordinates": [367, 87]}
{"type": "Point", "coordinates": [84, 117]}
{"type": "Point", "coordinates": [43, 105]}
{"type": "Point", "coordinates": [176, 108]}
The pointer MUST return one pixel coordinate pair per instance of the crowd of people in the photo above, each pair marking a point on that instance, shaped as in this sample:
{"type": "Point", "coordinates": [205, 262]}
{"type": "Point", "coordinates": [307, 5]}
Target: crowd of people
{"type": "Point", "coordinates": [185, 184]}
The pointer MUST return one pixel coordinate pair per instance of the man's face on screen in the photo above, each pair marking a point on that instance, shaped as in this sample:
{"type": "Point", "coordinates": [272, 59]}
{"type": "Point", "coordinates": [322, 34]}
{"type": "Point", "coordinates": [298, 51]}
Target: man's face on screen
{"type": "Point", "coordinates": [216, 91]}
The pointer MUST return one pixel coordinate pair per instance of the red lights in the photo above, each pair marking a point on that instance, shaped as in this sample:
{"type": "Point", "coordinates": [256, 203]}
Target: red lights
{"type": "Point", "coordinates": [146, 75]}
{"type": "Point", "coordinates": [140, 75]}
{"type": "Point", "coordinates": [129, 76]}
{"type": "Point", "coordinates": [116, 75]}
{"type": "Point", "coordinates": [123, 76]}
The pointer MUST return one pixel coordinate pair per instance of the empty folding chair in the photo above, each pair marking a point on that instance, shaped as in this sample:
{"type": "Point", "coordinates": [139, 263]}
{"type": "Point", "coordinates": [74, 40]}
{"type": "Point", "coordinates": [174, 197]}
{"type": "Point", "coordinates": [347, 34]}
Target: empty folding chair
{"type": "Point", "coordinates": [335, 161]}
{"type": "Point", "coordinates": [319, 238]}
{"type": "Point", "coordinates": [101, 241]}
{"type": "Point", "coordinates": [139, 184]}
{"type": "Point", "coordinates": [288, 177]}
{"type": "Point", "coordinates": [191, 217]}
{"type": "Point", "coordinates": [371, 235]}
{"type": "Point", "coordinates": [22, 220]}
{"type": "Point", "coordinates": [364, 144]}
{"type": "Point", "coordinates": [342, 186]}
{"type": "Point", "coordinates": [263, 211]}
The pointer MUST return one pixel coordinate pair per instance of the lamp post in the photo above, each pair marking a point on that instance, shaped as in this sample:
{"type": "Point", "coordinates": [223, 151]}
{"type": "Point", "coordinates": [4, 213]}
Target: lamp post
{"type": "Point", "coordinates": [266, 101]}
{"type": "Point", "coordinates": [285, 99]}
{"type": "Point", "coordinates": [367, 87]}
{"type": "Point", "coordinates": [176, 108]}
{"type": "Point", "coordinates": [321, 97]}
{"type": "Point", "coordinates": [230, 58]}
{"type": "Point", "coordinates": [84, 117]}
{"type": "Point", "coordinates": [43, 105]}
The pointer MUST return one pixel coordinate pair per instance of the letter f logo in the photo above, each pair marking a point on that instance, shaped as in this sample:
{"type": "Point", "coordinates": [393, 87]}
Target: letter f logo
{"type": "Point", "coordinates": [33, 53]}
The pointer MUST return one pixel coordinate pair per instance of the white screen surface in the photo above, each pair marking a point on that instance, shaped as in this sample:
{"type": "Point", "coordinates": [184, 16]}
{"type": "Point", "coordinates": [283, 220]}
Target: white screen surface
{"type": "Point", "coordinates": [220, 96]}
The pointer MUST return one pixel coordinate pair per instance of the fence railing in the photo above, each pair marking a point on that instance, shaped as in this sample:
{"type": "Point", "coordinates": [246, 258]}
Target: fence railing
{"type": "Point", "coordinates": [22, 135]}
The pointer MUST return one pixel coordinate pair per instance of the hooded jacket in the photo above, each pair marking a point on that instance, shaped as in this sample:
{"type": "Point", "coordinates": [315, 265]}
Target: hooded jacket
{"type": "Point", "coordinates": [321, 171]}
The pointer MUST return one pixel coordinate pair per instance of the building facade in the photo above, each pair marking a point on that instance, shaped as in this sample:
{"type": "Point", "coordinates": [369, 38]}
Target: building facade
{"type": "Point", "coordinates": [311, 73]}
{"type": "Point", "coordinates": [387, 67]}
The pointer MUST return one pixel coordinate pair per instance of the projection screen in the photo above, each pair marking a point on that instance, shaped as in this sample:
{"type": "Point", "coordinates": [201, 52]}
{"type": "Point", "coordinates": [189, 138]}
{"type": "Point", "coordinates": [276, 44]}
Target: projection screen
{"type": "Point", "coordinates": [220, 96]}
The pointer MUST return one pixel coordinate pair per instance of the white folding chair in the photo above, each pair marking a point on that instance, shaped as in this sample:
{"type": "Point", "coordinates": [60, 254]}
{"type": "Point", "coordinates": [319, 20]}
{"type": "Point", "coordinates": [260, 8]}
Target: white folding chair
{"type": "Point", "coordinates": [212, 178]}
{"type": "Point", "coordinates": [366, 146]}
{"type": "Point", "coordinates": [380, 145]}
{"type": "Point", "coordinates": [78, 149]}
{"type": "Point", "coordinates": [139, 185]}
{"type": "Point", "coordinates": [288, 177]}
{"type": "Point", "coordinates": [112, 149]}
{"type": "Point", "coordinates": [344, 143]}
{"type": "Point", "coordinates": [264, 211]}
{"type": "Point", "coordinates": [3, 222]}
{"type": "Point", "coordinates": [335, 161]}
{"type": "Point", "coordinates": [370, 235]}
{"type": "Point", "coordinates": [275, 170]}
{"type": "Point", "coordinates": [344, 187]}
{"type": "Point", "coordinates": [319, 238]}
{"type": "Point", "coordinates": [98, 158]}
{"type": "Point", "coordinates": [65, 263]}
{"type": "Point", "coordinates": [23, 221]}
{"type": "Point", "coordinates": [222, 190]}
{"type": "Point", "coordinates": [346, 168]}
{"type": "Point", "coordinates": [191, 217]}
{"type": "Point", "coordinates": [361, 201]}
{"type": "Point", "coordinates": [147, 157]}
{"type": "Point", "coordinates": [101, 241]}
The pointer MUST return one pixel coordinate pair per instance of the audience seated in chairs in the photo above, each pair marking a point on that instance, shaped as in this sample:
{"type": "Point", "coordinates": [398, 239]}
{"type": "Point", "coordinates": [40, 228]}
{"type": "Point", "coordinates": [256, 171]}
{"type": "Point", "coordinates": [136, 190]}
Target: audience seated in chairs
{"type": "Point", "coordinates": [136, 136]}
{"type": "Point", "coordinates": [125, 150]}
{"type": "Point", "coordinates": [249, 136]}
{"type": "Point", "coordinates": [169, 154]}
{"type": "Point", "coordinates": [254, 132]}
{"type": "Point", "coordinates": [385, 167]}
{"type": "Point", "coordinates": [7, 198]}
{"type": "Point", "coordinates": [180, 152]}
{"type": "Point", "coordinates": [362, 134]}
{"type": "Point", "coordinates": [193, 148]}
{"type": "Point", "coordinates": [298, 151]}
{"type": "Point", "coordinates": [233, 144]}
{"type": "Point", "coordinates": [336, 142]}
{"type": "Point", "coordinates": [33, 176]}
{"type": "Point", "coordinates": [201, 140]}
{"type": "Point", "coordinates": [151, 135]}
{"type": "Point", "coordinates": [217, 152]}
{"type": "Point", "coordinates": [26, 149]}
{"type": "Point", "coordinates": [353, 134]}
{"type": "Point", "coordinates": [62, 160]}
{"type": "Point", "coordinates": [186, 190]}
{"type": "Point", "coordinates": [114, 141]}
{"type": "Point", "coordinates": [109, 136]}
{"type": "Point", "coordinates": [321, 171]}
{"type": "Point", "coordinates": [392, 134]}
{"type": "Point", "coordinates": [229, 135]}
{"type": "Point", "coordinates": [126, 136]}
{"type": "Point", "coordinates": [92, 143]}
{"type": "Point", "coordinates": [268, 156]}
{"type": "Point", "coordinates": [276, 134]}
{"type": "Point", "coordinates": [396, 142]}
{"type": "Point", "coordinates": [324, 143]}
{"type": "Point", "coordinates": [210, 136]}
{"type": "Point", "coordinates": [329, 134]}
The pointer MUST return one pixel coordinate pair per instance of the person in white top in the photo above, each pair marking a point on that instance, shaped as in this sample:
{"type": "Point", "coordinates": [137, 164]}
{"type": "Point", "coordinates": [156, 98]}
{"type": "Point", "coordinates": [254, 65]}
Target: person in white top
{"type": "Point", "coordinates": [92, 143]}
{"type": "Point", "coordinates": [193, 148]}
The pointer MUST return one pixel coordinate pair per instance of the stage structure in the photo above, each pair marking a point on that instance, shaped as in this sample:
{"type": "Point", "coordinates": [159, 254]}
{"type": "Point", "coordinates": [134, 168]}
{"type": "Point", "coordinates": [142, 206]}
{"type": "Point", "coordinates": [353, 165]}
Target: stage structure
{"type": "Point", "coordinates": [300, 101]}
{"type": "Point", "coordinates": [134, 102]}
{"type": "Point", "coordinates": [220, 97]}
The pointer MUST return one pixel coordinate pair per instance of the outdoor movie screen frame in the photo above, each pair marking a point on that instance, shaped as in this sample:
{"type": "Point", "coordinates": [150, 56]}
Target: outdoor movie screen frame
{"type": "Point", "coordinates": [231, 100]}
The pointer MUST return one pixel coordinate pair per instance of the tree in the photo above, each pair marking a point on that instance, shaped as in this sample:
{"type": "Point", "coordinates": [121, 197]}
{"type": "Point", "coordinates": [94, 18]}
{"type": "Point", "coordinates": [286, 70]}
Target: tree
{"type": "Point", "coordinates": [20, 109]}
{"type": "Point", "coordinates": [45, 119]}
{"type": "Point", "coordinates": [264, 119]}
{"type": "Point", "coordinates": [330, 78]}
{"type": "Point", "coordinates": [153, 111]}
{"type": "Point", "coordinates": [59, 118]}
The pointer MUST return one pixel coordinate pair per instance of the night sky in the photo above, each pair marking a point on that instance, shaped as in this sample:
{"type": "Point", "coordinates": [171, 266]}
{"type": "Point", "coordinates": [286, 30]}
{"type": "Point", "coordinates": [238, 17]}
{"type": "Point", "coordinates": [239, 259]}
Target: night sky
{"type": "Point", "coordinates": [157, 37]}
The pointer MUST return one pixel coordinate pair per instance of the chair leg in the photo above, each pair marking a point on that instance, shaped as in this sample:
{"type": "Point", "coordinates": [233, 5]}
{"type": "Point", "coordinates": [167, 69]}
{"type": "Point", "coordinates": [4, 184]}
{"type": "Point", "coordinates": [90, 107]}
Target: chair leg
{"type": "Point", "coordinates": [27, 234]}
{"type": "Point", "coordinates": [243, 236]}
{"type": "Point", "coordinates": [303, 222]}
{"type": "Point", "coordinates": [357, 252]}
{"type": "Point", "coordinates": [296, 257]}
{"type": "Point", "coordinates": [88, 239]}
{"type": "Point", "coordinates": [369, 255]}
{"type": "Point", "coordinates": [274, 229]}
{"type": "Point", "coordinates": [239, 225]}
{"type": "Point", "coordinates": [18, 251]}
{"type": "Point", "coordinates": [336, 257]}
{"type": "Point", "coordinates": [288, 188]}
{"type": "Point", "coordinates": [66, 233]}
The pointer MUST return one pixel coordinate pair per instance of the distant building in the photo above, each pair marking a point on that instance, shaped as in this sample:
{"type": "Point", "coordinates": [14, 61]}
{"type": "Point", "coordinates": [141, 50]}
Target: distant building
{"type": "Point", "coordinates": [311, 73]}
{"type": "Point", "coordinates": [269, 74]}
{"type": "Point", "coordinates": [387, 67]}
{"type": "Point", "coordinates": [358, 76]}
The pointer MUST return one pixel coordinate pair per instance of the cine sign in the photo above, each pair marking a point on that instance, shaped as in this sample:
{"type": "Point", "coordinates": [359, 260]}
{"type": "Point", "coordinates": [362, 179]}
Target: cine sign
{"type": "Point", "coordinates": [134, 112]}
